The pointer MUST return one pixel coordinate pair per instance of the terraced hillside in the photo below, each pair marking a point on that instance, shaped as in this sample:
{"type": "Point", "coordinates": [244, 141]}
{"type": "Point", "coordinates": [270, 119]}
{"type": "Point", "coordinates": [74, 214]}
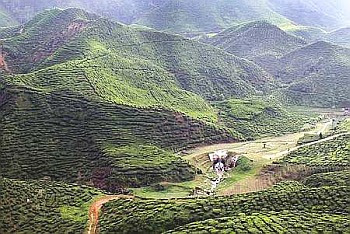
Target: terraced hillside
{"type": "Point", "coordinates": [67, 137]}
{"type": "Point", "coordinates": [316, 203]}
{"type": "Point", "coordinates": [284, 222]}
{"type": "Point", "coordinates": [43, 207]}
{"type": "Point", "coordinates": [289, 199]}
{"type": "Point", "coordinates": [106, 104]}
{"type": "Point", "coordinates": [260, 42]}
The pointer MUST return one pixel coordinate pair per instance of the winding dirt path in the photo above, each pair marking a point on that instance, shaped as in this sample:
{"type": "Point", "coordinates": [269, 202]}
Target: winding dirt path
{"type": "Point", "coordinates": [96, 207]}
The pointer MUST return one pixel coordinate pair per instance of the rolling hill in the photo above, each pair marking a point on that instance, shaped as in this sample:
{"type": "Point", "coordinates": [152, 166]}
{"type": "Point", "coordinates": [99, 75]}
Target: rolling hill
{"type": "Point", "coordinates": [317, 74]}
{"type": "Point", "coordinates": [313, 74]}
{"type": "Point", "coordinates": [260, 42]}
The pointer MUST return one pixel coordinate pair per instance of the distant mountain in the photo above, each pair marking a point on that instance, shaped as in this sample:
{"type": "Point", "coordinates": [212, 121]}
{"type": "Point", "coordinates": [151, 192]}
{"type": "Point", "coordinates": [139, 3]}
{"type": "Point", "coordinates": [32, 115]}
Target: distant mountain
{"type": "Point", "coordinates": [310, 34]}
{"type": "Point", "coordinates": [324, 14]}
{"type": "Point", "coordinates": [193, 17]}
{"type": "Point", "coordinates": [260, 42]}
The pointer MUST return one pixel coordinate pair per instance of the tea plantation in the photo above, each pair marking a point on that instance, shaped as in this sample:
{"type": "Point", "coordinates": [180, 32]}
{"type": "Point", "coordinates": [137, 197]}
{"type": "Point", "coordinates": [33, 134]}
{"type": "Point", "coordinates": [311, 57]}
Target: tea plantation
{"type": "Point", "coordinates": [70, 138]}
{"type": "Point", "coordinates": [43, 207]}
{"type": "Point", "coordinates": [335, 152]}
{"type": "Point", "coordinates": [253, 118]}
{"type": "Point", "coordinates": [154, 216]}
{"type": "Point", "coordinates": [272, 222]}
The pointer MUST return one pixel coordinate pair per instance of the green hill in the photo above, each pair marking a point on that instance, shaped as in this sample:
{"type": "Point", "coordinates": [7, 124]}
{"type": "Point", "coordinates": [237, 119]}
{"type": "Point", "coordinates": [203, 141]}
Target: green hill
{"type": "Point", "coordinates": [98, 102]}
{"type": "Point", "coordinates": [288, 201]}
{"type": "Point", "coordinates": [317, 74]}
{"type": "Point", "coordinates": [260, 42]}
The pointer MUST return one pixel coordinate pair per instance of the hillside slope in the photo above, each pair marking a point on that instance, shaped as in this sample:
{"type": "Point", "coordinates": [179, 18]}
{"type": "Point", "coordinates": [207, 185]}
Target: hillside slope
{"type": "Point", "coordinates": [317, 74]}
{"type": "Point", "coordinates": [260, 42]}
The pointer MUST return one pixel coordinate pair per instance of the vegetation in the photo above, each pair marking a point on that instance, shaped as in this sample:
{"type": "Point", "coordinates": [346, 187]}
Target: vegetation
{"type": "Point", "coordinates": [260, 42]}
{"type": "Point", "coordinates": [334, 152]}
{"type": "Point", "coordinates": [163, 215]}
{"type": "Point", "coordinates": [253, 118]}
{"type": "Point", "coordinates": [42, 206]}
{"type": "Point", "coordinates": [281, 222]}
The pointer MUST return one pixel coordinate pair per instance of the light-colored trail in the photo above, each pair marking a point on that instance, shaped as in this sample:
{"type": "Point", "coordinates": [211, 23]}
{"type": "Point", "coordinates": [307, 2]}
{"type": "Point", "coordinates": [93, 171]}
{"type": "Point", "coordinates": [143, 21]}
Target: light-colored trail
{"type": "Point", "coordinates": [96, 207]}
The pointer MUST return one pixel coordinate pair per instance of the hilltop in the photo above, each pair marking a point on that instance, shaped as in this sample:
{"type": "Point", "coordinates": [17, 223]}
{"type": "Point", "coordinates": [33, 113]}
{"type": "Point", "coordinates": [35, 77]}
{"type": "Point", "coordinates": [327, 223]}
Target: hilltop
{"type": "Point", "coordinates": [260, 42]}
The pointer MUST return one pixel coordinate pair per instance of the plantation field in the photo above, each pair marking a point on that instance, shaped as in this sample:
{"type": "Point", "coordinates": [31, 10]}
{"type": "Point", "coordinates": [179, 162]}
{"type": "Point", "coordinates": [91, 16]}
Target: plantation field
{"type": "Point", "coordinates": [44, 207]}
{"type": "Point", "coordinates": [153, 216]}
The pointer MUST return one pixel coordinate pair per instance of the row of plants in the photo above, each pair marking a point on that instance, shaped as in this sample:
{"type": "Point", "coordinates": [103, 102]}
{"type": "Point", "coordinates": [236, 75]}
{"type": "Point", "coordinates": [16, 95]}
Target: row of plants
{"type": "Point", "coordinates": [271, 222]}
{"type": "Point", "coordinates": [334, 152]}
{"type": "Point", "coordinates": [36, 206]}
{"type": "Point", "coordinates": [67, 137]}
{"type": "Point", "coordinates": [154, 216]}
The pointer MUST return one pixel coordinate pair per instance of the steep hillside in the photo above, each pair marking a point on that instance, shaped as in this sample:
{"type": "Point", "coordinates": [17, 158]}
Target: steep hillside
{"type": "Point", "coordinates": [92, 43]}
{"type": "Point", "coordinates": [317, 74]}
{"type": "Point", "coordinates": [259, 41]}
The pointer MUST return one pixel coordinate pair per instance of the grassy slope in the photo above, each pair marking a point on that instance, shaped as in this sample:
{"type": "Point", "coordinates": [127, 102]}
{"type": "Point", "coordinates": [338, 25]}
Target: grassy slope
{"type": "Point", "coordinates": [334, 152]}
{"type": "Point", "coordinates": [253, 118]}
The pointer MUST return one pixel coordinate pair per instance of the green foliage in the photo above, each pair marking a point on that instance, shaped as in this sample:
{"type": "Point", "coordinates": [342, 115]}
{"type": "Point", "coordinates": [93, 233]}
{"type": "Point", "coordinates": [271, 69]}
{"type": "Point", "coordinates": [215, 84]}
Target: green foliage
{"type": "Point", "coordinates": [259, 41]}
{"type": "Point", "coordinates": [253, 118]}
{"type": "Point", "coordinates": [73, 139]}
{"type": "Point", "coordinates": [244, 164]}
{"type": "Point", "coordinates": [334, 152]}
{"type": "Point", "coordinates": [339, 178]}
{"type": "Point", "coordinates": [43, 207]}
{"type": "Point", "coordinates": [274, 222]}
{"type": "Point", "coordinates": [163, 215]}
{"type": "Point", "coordinates": [317, 75]}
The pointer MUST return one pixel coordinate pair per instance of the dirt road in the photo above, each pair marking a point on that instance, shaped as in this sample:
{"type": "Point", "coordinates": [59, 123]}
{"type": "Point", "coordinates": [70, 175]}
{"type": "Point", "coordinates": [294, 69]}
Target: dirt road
{"type": "Point", "coordinates": [96, 207]}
